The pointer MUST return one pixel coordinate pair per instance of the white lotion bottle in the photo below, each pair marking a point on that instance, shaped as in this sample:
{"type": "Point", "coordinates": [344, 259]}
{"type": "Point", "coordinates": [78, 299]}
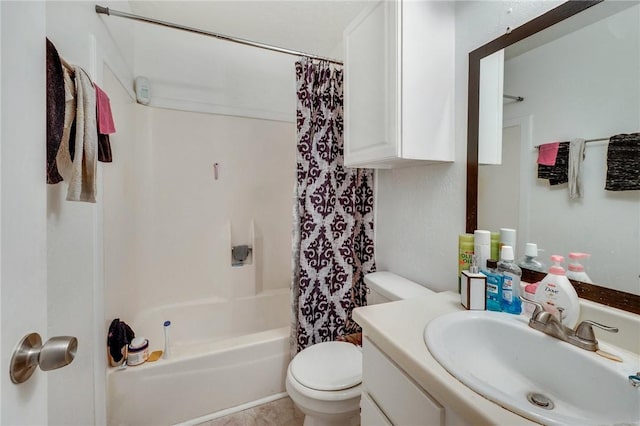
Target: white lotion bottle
{"type": "Point", "coordinates": [556, 291]}
{"type": "Point", "coordinates": [508, 238]}
{"type": "Point", "coordinates": [482, 246]}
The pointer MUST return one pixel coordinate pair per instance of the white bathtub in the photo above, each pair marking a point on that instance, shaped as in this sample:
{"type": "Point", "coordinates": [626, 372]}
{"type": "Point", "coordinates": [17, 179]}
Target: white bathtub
{"type": "Point", "coordinates": [223, 354]}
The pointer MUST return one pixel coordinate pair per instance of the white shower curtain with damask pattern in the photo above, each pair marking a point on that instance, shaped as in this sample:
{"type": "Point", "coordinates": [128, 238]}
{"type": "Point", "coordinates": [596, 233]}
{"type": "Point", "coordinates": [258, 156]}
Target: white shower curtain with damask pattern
{"type": "Point", "coordinates": [333, 214]}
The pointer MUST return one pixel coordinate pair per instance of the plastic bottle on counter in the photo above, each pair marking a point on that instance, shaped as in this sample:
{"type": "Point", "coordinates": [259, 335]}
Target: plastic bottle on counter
{"type": "Point", "coordinates": [482, 245]}
{"type": "Point", "coordinates": [495, 245]}
{"type": "Point", "coordinates": [508, 238]}
{"type": "Point", "coordinates": [511, 273]}
{"type": "Point", "coordinates": [529, 260]}
{"type": "Point", "coordinates": [575, 269]}
{"type": "Point", "coordinates": [556, 291]}
{"type": "Point", "coordinates": [465, 254]}
{"type": "Point", "coordinates": [494, 285]}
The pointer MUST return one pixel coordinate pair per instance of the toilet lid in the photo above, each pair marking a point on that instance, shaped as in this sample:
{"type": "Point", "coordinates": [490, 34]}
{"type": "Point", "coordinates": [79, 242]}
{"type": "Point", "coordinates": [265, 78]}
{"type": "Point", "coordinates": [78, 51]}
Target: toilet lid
{"type": "Point", "coordinates": [328, 366]}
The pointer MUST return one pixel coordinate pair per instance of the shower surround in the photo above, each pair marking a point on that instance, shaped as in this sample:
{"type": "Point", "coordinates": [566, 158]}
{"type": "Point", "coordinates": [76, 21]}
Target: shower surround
{"type": "Point", "coordinates": [170, 226]}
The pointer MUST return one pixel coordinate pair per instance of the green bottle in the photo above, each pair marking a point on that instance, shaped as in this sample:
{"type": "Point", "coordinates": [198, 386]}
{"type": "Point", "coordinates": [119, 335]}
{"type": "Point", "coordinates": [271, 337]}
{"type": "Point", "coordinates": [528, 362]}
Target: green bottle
{"type": "Point", "coordinates": [495, 245]}
{"type": "Point", "coordinates": [465, 254]}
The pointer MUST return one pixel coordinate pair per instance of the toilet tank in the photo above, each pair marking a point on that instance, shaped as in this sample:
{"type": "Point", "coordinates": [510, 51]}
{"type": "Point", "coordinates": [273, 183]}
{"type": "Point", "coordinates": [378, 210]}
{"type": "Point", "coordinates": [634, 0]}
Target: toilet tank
{"type": "Point", "coordinates": [388, 287]}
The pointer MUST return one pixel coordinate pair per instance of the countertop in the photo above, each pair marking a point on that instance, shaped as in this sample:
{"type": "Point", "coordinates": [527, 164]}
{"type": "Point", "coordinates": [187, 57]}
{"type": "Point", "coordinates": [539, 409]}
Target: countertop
{"type": "Point", "coordinates": [397, 329]}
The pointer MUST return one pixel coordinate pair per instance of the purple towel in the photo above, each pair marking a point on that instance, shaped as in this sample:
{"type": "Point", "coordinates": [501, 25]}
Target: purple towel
{"type": "Point", "coordinates": [55, 111]}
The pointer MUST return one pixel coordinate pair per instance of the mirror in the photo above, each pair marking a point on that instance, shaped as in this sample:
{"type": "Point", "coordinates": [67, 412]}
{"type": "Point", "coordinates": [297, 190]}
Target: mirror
{"type": "Point", "coordinates": [578, 69]}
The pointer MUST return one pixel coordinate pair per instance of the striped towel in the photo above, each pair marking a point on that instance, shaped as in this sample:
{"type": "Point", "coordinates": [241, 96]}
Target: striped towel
{"type": "Point", "coordinates": [623, 163]}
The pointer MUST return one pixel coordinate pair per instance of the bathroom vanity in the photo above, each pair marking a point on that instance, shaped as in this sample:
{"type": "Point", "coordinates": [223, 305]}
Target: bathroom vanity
{"type": "Point", "coordinates": [404, 384]}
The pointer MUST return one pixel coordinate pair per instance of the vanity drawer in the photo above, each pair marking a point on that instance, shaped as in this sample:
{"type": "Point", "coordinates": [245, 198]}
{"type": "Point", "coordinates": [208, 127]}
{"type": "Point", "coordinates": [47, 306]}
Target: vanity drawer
{"type": "Point", "coordinates": [370, 413]}
{"type": "Point", "coordinates": [400, 399]}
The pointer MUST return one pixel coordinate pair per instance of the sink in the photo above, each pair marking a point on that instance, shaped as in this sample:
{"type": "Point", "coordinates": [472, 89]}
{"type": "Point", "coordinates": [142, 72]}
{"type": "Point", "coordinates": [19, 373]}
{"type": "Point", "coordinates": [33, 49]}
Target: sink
{"type": "Point", "coordinates": [532, 374]}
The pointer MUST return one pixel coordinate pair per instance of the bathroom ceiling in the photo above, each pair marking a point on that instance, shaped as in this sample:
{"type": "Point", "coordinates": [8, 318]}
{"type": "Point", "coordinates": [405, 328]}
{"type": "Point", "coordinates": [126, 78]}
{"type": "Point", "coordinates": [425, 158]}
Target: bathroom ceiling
{"type": "Point", "coordinates": [313, 27]}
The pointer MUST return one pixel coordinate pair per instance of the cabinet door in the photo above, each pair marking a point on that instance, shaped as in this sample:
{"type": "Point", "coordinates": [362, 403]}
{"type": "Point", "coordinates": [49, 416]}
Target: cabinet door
{"type": "Point", "coordinates": [428, 80]}
{"type": "Point", "coordinates": [371, 86]}
{"type": "Point", "coordinates": [370, 413]}
{"type": "Point", "coordinates": [402, 401]}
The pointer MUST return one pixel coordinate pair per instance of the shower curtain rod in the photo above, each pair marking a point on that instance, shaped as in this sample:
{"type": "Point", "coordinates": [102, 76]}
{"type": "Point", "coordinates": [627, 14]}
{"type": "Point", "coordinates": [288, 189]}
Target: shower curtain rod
{"type": "Point", "coordinates": [110, 12]}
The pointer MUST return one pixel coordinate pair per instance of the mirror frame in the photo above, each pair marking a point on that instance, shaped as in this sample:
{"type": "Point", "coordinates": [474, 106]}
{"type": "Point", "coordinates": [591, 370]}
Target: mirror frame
{"type": "Point", "coordinates": [614, 298]}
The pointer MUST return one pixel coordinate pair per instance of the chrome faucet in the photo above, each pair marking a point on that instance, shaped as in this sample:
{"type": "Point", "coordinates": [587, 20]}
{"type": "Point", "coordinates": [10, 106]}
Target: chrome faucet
{"type": "Point", "coordinates": [582, 337]}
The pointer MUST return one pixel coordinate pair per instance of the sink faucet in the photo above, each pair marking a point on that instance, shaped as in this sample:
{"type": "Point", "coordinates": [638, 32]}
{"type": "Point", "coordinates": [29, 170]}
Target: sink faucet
{"type": "Point", "coordinates": [582, 337]}
{"type": "Point", "coordinates": [547, 323]}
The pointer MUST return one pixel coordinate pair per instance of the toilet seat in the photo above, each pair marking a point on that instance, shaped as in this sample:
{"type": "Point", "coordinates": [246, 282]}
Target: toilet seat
{"type": "Point", "coordinates": [322, 396]}
{"type": "Point", "coordinates": [328, 366]}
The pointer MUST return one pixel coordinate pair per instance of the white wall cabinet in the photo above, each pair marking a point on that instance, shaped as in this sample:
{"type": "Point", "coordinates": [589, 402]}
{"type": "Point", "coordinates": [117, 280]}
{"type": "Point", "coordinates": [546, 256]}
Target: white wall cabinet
{"type": "Point", "coordinates": [399, 84]}
{"type": "Point", "coordinates": [391, 397]}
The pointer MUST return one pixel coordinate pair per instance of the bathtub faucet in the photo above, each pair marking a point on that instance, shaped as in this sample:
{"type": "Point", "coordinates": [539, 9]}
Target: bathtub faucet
{"type": "Point", "coordinates": [239, 254]}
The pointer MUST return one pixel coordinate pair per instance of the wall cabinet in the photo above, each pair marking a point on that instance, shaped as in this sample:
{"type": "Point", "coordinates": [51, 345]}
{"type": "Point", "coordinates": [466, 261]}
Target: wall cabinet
{"type": "Point", "coordinates": [391, 397]}
{"type": "Point", "coordinates": [399, 84]}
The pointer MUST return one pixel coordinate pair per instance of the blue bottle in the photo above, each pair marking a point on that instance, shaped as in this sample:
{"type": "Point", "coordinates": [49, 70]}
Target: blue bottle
{"type": "Point", "coordinates": [494, 286]}
{"type": "Point", "coordinates": [511, 273]}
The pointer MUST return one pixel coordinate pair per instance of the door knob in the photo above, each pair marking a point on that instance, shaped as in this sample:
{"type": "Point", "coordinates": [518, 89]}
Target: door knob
{"type": "Point", "coordinates": [31, 353]}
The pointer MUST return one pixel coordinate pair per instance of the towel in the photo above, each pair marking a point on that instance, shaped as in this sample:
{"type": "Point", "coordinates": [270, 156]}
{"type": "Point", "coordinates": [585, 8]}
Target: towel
{"type": "Point", "coordinates": [559, 173]}
{"type": "Point", "coordinates": [77, 157]}
{"type": "Point", "coordinates": [105, 118]}
{"type": "Point", "coordinates": [64, 156]}
{"type": "Point", "coordinates": [547, 153]}
{"type": "Point", "coordinates": [105, 125]}
{"type": "Point", "coordinates": [120, 335]}
{"type": "Point", "coordinates": [576, 156]}
{"type": "Point", "coordinates": [55, 111]}
{"type": "Point", "coordinates": [623, 163]}
{"type": "Point", "coordinates": [104, 149]}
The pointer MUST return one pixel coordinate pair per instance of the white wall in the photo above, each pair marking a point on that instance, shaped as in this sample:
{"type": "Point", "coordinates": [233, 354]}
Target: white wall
{"type": "Point", "coordinates": [23, 269]}
{"type": "Point", "coordinates": [122, 205]}
{"type": "Point", "coordinates": [169, 239]}
{"type": "Point", "coordinates": [497, 182]}
{"type": "Point", "coordinates": [74, 230]}
{"type": "Point", "coordinates": [585, 84]}
{"type": "Point", "coordinates": [194, 219]}
{"type": "Point", "coordinates": [421, 210]}
{"type": "Point", "coordinates": [169, 226]}
{"type": "Point", "coordinates": [213, 75]}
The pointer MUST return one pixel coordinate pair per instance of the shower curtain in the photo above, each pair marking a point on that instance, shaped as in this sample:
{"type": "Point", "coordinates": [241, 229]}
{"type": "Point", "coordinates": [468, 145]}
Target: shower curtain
{"type": "Point", "coordinates": [333, 214]}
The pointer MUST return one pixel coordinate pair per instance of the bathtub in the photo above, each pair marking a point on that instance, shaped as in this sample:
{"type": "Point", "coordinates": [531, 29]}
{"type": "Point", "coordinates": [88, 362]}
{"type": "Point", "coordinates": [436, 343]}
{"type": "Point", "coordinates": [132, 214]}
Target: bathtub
{"type": "Point", "coordinates": [223, 353]}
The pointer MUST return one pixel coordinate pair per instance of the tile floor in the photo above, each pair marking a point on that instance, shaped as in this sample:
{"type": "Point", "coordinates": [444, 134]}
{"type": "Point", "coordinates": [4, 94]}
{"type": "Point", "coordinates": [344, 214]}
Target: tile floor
{"type": "Point", "coordinates": [280, 412]}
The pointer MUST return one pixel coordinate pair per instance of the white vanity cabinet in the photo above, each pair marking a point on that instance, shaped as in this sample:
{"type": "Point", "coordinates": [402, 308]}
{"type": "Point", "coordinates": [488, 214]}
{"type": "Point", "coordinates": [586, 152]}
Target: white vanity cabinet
{"type": "Point", "coordinates": [399, 85]}
{"type": "Point", "coordinates": [391, 397]}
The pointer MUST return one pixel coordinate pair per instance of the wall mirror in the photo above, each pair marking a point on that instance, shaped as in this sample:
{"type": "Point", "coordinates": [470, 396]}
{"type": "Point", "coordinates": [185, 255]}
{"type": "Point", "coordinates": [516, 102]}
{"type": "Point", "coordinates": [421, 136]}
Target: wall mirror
{"type": "Point", "coordinates": [578, 69]}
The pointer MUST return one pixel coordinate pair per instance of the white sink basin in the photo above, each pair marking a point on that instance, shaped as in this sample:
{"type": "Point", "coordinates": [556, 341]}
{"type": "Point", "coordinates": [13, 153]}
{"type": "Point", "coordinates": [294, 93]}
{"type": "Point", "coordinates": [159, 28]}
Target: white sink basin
{"type": "Point", "coordinates": [500, 357]}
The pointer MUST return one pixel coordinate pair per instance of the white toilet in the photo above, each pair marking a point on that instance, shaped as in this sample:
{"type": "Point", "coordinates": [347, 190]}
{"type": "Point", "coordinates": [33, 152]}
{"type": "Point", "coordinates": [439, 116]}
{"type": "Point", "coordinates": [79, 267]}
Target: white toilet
{"type": "Point", "coordinates": [324, 380]}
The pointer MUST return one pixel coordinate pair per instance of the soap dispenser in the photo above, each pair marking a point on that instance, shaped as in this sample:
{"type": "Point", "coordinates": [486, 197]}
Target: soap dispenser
{"type": "Point", "coordinates": [575, 270]}
{"type": "Point", "coordinates": [556, 291]}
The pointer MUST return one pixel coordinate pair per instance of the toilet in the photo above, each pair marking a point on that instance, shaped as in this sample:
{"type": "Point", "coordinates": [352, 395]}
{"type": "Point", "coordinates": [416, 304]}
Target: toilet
{"type": "Point", "coordinates": [324, 380]}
